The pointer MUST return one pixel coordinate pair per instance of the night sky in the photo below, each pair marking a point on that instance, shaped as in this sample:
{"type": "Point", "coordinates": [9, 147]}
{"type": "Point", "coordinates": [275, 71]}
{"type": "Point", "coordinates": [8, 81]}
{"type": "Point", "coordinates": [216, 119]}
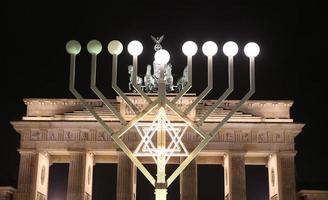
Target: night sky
{"type": "Point", "coordinates": [34, 64]}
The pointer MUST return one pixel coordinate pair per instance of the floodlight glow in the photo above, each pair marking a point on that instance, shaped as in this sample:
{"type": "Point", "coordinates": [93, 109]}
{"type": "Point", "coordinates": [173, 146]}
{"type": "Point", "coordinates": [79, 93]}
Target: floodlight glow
{"type": "Point", "coordinates": [252, 49]}
{"type": "Point", "coordinates": [162, 56]}
{"type": "Point", "coordinates": [73, 47]}
{"type": "Point", "coordinates": [135, 48]}
{"type": "Point", "coordinates": [230, 48]}
{"type": "Point", "coordinates": [189, 48]}
{"type": "Point", "coordinates": [94, 47]}
{"type": "Point", "coordinates": [210, 48]}
{"type": "Point", "coordinates": [115, 47]}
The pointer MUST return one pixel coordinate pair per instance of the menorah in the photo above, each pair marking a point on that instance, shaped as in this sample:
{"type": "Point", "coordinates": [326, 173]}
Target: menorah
{"type": "Point", "coordinates": [168, 142]}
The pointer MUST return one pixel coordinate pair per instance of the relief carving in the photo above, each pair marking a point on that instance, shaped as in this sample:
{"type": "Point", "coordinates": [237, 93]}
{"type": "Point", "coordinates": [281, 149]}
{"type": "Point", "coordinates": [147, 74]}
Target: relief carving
{"type": "Point", "coordinates": [230, 137]}
{"type": "Point", "coordinates": [279, 137]}
{"type": "Point", "coordinates": [262, 137]}
{"type": "Point", "coordinates": [43, 174]}
{"type": "Point", "coordinates": [35, 135]}
{"type": "Point", "coordinates": [84, 135]}
{"type": "Point", "coordinates": [69, 135]}
{"type": "Point", "coordinates": [53, 135]}
{"type": "Point", "coordinates": [246, 137]}
{"type": "Point", "coordinates": [101, 136]}
{"type": "Point", "coordinates": [273, 176]}
{"type": "Point", "coordinates": [89, 175]}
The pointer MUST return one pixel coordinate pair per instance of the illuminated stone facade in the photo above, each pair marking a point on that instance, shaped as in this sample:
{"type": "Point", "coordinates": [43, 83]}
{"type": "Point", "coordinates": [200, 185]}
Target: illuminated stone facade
{"type": "Point", "coordinates": [61, 130]}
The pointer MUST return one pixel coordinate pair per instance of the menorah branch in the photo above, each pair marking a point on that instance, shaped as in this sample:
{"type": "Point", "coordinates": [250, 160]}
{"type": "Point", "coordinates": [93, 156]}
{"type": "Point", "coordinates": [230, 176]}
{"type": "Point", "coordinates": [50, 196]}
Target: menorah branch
{"type": "Point", "coordinates": [207, 89]}
{"type": "Point", "coordinates": [215, 131]}
{"type": "Point", "coordinates": [224, 95]}
{"type": "Point", "coordinates": [99, 93]}
{"type": "Point", "coordinates": [117, 89]}
{"type": "Point", "coordinates": [81, 99]}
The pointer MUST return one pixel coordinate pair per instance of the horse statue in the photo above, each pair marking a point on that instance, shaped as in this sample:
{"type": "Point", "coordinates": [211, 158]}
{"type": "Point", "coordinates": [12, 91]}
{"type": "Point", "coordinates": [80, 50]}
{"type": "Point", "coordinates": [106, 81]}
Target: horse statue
{"type": "Point", "coordinates": [182, 82]}
{"type": "Point", "coordinates": [139, 79]}
{"type": "Point", "coordinates": [168, 78]}
{"type": "Point", "coordinates": [149, 80]}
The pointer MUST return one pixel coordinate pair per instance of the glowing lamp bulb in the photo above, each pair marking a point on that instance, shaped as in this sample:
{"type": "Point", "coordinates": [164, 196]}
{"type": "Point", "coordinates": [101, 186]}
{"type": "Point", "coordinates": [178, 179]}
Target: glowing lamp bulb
{"type": "Point", "coordinates": [252, 49]}
{"type": "Point", "coordinates": [162, 56]}
{"type": "Point", "coordinates": [209, 48]}
{"type": "Point", "coordinates": [230, 48]}
{"type": "Point", "coordinates": [135, 48]}
{"type": "Point", "coordinates": [94, 47]}
{"type": "Point", "coordinates": [115, 47]}
{"type": "Point", "coordinates": [73, 47]}
{"type": "Point", "coordinates": [189, 48]}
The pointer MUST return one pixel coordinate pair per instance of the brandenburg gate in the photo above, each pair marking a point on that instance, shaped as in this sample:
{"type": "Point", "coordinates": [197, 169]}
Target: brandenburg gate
{"type": "Point", "coordinates": [61, 130]}
{"type": "Point", "coordinates": [157, 122]}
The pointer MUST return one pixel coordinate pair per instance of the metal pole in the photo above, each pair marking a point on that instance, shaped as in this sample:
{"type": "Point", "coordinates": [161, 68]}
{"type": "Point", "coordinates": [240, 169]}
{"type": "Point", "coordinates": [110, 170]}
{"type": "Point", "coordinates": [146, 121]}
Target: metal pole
{"type": "Point", "coordinates": [160, 186]}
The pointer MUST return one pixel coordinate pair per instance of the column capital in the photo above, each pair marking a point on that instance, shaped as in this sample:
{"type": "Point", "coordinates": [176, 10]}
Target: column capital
{"type": "Point", "coordinates": [287, 153]}
{"type": "Point", "coordinates": [27, 151]}
{"type": "Point", "coordinates": [234, 153]}
{"type": "Point", "coordinates": [76, 151]}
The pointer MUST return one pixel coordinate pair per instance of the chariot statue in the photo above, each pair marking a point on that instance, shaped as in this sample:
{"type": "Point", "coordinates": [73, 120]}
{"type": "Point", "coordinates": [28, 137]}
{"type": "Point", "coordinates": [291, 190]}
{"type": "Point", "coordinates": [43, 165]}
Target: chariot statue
{"type": "Point", "coordinates": [150, 82]}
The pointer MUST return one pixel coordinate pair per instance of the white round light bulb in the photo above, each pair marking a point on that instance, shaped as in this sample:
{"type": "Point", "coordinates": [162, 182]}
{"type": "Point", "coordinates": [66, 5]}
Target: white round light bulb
{"type": "Point", "coordinates": [210, 48]}
{"type": "Point", "coordinates": [135, 48]}
{"type": "Point", "coordinates": [94, 47]}
{"type": "Point", "coordinates": [252, 49]}
{"type": "Point", "coordinates": [73, 47]}
{"type": "Point", "coordinates": [162, 56]}
{"type": "Point", "coordinates": [230, 48]}
{"type": "Point", "coordinates": [189, 48]}
{"type": "Point", "coordinates": [115, 47]}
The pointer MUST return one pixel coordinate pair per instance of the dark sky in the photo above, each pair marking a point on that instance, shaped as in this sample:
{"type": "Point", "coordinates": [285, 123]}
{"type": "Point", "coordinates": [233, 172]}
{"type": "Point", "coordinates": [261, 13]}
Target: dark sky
{"type": "Point", "coordinates": [290, 66]}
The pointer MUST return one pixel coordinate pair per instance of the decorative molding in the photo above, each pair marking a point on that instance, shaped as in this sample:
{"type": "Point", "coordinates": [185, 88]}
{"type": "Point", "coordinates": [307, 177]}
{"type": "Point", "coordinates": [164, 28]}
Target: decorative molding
{"type": "Point", "coordinates": [313, 194]}
{"type": "Point", "coordinates": [51, 107]}
{"type": "Point", "coordinates": [243, 136]}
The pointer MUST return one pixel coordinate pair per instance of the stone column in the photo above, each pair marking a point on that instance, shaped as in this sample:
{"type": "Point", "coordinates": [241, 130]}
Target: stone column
{"type": "Point", "coordinates": [33, 176]}
{"type": "Point", "coordinates": [234, 176]}
{"type": "Point", "coordinates": [281, 170]}
{"type": "Point", "coordinates": [6, 192]}
{"type": "Point", "coordinates": [25, 177]}
{"type": "Point", "coordinates": [126, 178]}
{"type": "Point", "coordinates": [80, 176]}
{"type": "Point", "coordinates": [188, 182]}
